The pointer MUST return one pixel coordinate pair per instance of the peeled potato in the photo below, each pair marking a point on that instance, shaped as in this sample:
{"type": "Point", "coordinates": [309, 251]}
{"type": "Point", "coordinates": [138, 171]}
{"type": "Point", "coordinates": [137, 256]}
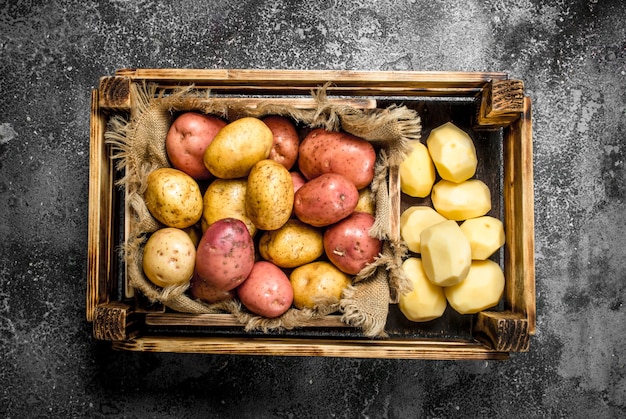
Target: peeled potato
{"type": "Point", "coordinates": [417, 172]}
{"type": "Point", "coordinates": [446, 253]}
{"type": "Point", "coordinates": [169, 257]}
{"type": "Point", "coordinates": [461, 201]}
{"type": "Point", "coordinates": [482, 288]}
{"type": "Point", "coordinates": [413, 221]}
{"type": "Point", "coordinates": [485, 235]}
{"type": "Point", "coordinates": [427, 301]}
{"type": "Point", "coordinates": [453, 152]}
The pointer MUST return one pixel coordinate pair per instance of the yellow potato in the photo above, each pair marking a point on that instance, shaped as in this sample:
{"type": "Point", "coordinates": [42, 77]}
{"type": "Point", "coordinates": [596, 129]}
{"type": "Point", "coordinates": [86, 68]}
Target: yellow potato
{"type": "Point", "coordinates": [485, 235]}
{"type": "Point", "coordinates": [446, 253]}
{"type": "Point", "coordinates": [169, 257]}
{"type": "Point", "coordinates": [461, 201]}
{"type": "Point", "coordinates": [366, 201]}
{"type": "Point", "coordinates": [317, 283]}
{"type": "Point", "coordinates": [173, 197]}
{"type": "Point", "coordinates": [427, 301]}
{"type": "Point", "coordinates": [269, 195]}
{"type": "Point", "coordinates": [413, 221]}
{"type": "Point", "coordinates": [237, 147]}
{"type": "Point", "coordinates": [226, 198]}
{"type": "Point", "coordinates": [292, 245]}
{"type": "Point", "coordinates": [481, 289]}
{"type": "Point", "coordinates": [417, 172]}
{"type": "Point", "coordinates": [453, 152]}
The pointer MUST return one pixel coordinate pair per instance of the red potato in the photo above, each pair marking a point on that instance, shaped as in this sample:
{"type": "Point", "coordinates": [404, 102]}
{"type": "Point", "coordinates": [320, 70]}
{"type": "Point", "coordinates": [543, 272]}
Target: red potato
{"type": "Point", "coordinates": [298, 180]}
{"type": "Point", "coordinates": [325, 200]}
{"type": "Point", "coordinates": [286, 141]}
{"type": "Point", "coordinates": [267, 290]}
{"type": "Point", "coordinates": [225, 255]}
{"type": "Point", "coordinates": [202, 290]}
{"type": "Point", "coordinates": [349, 246]}
{"type": "Point", "coordinates": [324, 151]}
{"type": "Point", "coordinates": [189, 135]}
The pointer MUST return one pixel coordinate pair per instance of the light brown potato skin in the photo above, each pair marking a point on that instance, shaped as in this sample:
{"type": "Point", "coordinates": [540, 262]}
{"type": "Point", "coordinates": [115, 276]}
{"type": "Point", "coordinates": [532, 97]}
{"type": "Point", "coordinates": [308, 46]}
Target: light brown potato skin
{"type": "Point", "coordinates": [286, 140]}
{"type": "Point", "coordinates": [292, 245]}
{"type": "Point", "coordinates": [225, 255]}
{"type": "Point", "coordinates": [169, 257]}
{"type": "Point", "coordinates": [324, 151]}
{"type": "Point", "coordinates": [226, 198]}
{"type": "Point", "coordinates": [317, 283]}
{"type": "Point", "coordinates": [173, 198]}
{"type": "Point", "coordinates": [187, 139]}
{"type": "Point", "coordinates": [325, 200]}
{"type": "Point", "coordinates": [269, 195]}
{"type": "Point", "coordinates": [267, 290]}
{"type": "Point", "coordinates": [349, 246]}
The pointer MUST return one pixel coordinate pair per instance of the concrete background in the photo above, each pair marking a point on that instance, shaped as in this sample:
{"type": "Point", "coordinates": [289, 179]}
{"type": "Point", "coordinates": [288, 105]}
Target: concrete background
{"type": "Point", "coordinates": [572, 57]}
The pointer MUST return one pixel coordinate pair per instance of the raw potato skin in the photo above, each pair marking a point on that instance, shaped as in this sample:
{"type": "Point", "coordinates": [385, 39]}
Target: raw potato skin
{"type": "Point", "coordinates": [169, 257]}
{"type": "Point", "coordinates": [202, 290]}
{"type": "Point", "coordinates": [237, 147]}
{"type": "Point", "coordinates": [292, 245]}
{"type": "Point", "coordinates": [426, 301]}
{"type": "Point", "coordinates": [226, 198]}
{"type": "Point", "coordinates": [269, 195]}
{"type": "Point", "coordinates": [325, 200]}
{"type": "Point", "coordinates": [482, 288]}
{"type": "Point", "coordinates": [173, 198]}
{"type": "Point", "coordinates": [317, 283]}
{"type": "Point", "coordinates": [417, 172]}
{"type": "Point", "coordinates": [366, 201]}
{"type": "Point", "coordinates": [225, 255]}
{"type": "Point", "coordinates": [187, 139]}
{"type": "Point", "coordinates": [349, 246]}
{"type": "Point", "coordinates": [267, 290]}
{"type": "Point", "coordinates": [461, 201]}
{"type": "Point", "coordinates": [324, 151]}
{"type": "Point", "coordinates": [286, 140]}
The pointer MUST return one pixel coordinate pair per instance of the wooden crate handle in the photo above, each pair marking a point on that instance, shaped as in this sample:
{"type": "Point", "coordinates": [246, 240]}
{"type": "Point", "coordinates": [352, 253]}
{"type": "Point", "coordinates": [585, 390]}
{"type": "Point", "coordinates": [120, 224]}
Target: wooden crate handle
{"type": "Point", "coordinates": [501, 103]}
{"type": "Point", "coordinates": [115, 321]}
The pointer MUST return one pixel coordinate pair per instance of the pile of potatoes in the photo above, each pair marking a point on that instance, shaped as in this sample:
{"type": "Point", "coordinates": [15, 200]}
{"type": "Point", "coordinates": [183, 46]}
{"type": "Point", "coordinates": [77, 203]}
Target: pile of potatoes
{"type": "Point", "coordinates": [260, 210]}
{"type": "Point", "coordinates": [454, 238]}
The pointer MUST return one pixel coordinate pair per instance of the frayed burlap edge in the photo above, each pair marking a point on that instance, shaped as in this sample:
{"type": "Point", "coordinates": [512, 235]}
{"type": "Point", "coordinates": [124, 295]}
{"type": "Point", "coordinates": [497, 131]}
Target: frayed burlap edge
{"type": "Point", "coordinates": [390, 129]}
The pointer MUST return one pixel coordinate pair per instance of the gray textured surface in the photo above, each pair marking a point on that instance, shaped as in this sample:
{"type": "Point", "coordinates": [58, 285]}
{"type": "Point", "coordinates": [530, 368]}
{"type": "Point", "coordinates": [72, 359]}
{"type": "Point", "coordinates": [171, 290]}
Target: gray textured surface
{"type": "Point", "coordinates": [572, 57]}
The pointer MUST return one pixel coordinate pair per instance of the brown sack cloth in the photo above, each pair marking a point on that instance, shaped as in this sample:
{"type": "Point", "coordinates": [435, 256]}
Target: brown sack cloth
{"type": "Point", "coordinates": [138, 146]}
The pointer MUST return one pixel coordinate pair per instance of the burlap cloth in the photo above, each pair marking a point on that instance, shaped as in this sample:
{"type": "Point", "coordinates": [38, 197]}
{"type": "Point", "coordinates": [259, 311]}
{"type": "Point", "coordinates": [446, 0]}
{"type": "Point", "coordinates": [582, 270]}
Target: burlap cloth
{"type": "Point", "coordinates": [138, 147]}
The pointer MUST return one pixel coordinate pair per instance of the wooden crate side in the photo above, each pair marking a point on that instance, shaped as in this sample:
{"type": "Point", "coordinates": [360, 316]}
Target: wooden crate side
{"type": "Point", "coordinates": [115, 321]}
{"type": "Point", "coordinates": [519, 218]}
{"type": "Point", "coordinates": [432, 350]}
{"type": "Point", "coordinates": [100, 213]}
{"type": "Point", "coordinates": [503, 331]}
{"type": "Point", "coordinates": [501, 103]}
{"type": "Point", "coordinates": [114, 93]}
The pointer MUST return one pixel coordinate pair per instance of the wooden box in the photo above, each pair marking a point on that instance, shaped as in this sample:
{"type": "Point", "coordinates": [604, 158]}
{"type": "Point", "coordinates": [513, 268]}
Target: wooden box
{"type": "Point", "coordinates": [490, 105]}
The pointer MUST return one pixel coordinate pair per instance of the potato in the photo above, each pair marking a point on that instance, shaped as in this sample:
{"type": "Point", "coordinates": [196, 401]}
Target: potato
{"type": "Point", "coordinates": [286, 140]}
{"type": "Point", "coordinates": [173, 198]}
{"type": "Point", "coordinates": [417, 172]}
{"type": "Point", "coordinates": [348, 244]}
{"type": "Point", "coordinates": [169, 257]}
{"type": "Point", "coordinates": [267, 290]}
{"type": "Point", "coordinates": [269, 195]}
{"type": "Point", "coordinates": [325, 200]}
{"type": "Point", "coordinates": [317, 283]}
{"type": "Point", "coordinates": [237, 147]}
{"type": "Point", "coordinates": [413, 221]}
{"type": "Point", "coordinates": [446, 253]}
{"type": "Point", "coordinates": [366, 201]}
{"type": "Point", "coordinates": [202, 290]}
{"type": "Point", "coordinates": [225, 255]}
{"type": "Point", "coordinates": [292, 245]}
{"type": "Point", "coordinates": [453, 152]}
{"type": "Point", "coordinates": [226, 198]}
{"type": "Point", "coordinates": [298, 180]}
{"type": "Point", "coordinates": [485, 235]}
{"type": "Point", "coordinates": [461, 201]}
{"type": "Point", "coordinates": [187, 139]}
{"type": "Point", "coordinates": [481, 289]}
{"type": "Point", "coordinates": [324, 151]}
{"type": "Point", "coordinates": [195, 234]}
{"type": "Point", "coordinates": [426, 301]}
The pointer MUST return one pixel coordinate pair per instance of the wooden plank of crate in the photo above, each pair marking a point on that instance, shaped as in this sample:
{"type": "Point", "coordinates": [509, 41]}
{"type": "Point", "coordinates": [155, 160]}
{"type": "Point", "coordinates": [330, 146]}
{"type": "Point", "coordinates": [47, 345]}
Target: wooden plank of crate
{"type": "Point", "coordinates": [397, 349]}
{"type": "Point", "coordinates": [503, 331]}
{"type": "Point", "coordinates": [115, 321]}
{"type": "Point", "coordinates": [114, 93]}
{"type": "Point", "coordinates": [502, 102]}
{"type": "Point", "coordinates": [225, 320]}
{"type": "Point", "coordinates": [99, 275]}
